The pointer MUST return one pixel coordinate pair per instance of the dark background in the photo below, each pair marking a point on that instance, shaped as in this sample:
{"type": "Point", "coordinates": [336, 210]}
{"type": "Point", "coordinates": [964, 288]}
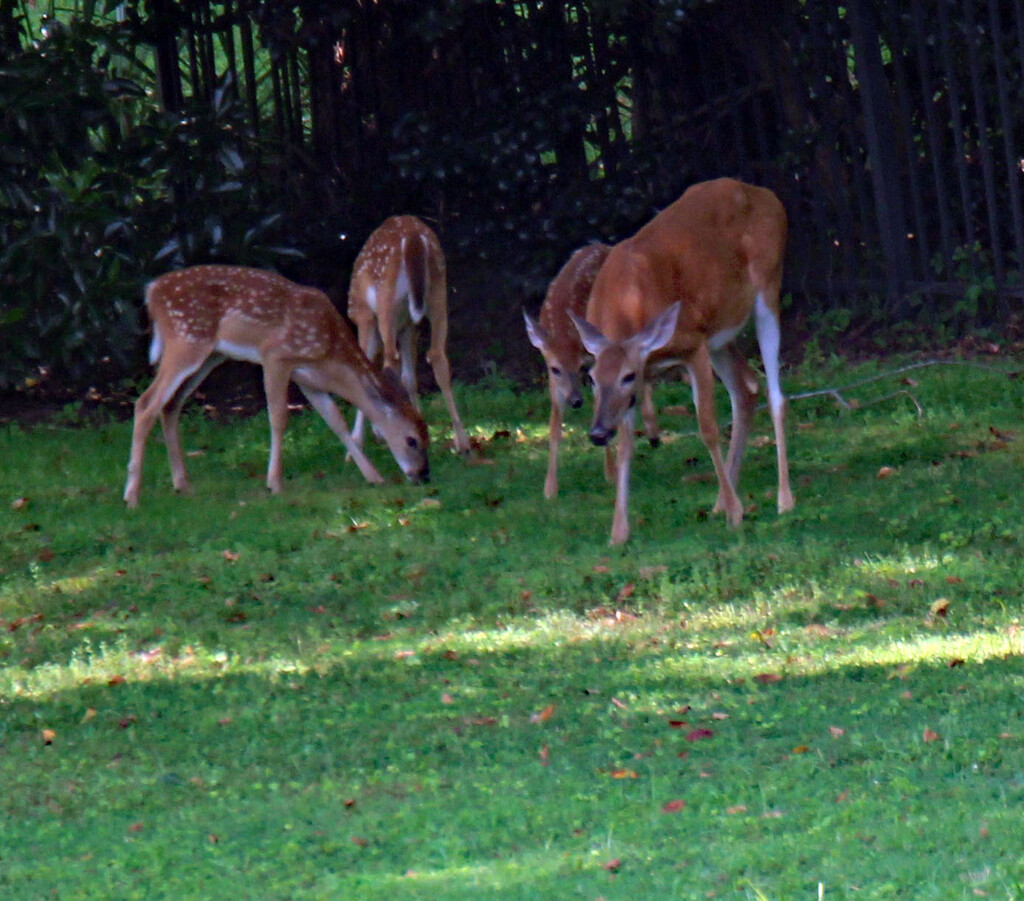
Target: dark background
{"type": "Point", "coordinates": [142, 136]}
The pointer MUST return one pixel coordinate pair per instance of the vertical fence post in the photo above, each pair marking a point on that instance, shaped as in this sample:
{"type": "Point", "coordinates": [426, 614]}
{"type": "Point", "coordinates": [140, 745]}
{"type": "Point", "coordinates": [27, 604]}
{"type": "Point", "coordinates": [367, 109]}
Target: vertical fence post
{"type": "Point", "coordinates": [878, 131]}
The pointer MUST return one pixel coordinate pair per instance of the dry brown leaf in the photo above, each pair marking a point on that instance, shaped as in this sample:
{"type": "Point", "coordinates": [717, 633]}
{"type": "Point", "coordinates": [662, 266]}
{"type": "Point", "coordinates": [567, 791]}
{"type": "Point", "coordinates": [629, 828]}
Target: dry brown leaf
{"type": "Point", "coordinates": [885, 472]}
{"type": "Point", "coordinates": [939, 607]}
{"type": "Point", "coordinates": [767, 678]}
{"type": "Point", "coordinates": [930, 735]}
{"type": "Point", "coordinates": [673, 806]}
{"type": "Point", "coordinates": [48, 736]}
{"type": "Point", "coordinates": [542, 716]}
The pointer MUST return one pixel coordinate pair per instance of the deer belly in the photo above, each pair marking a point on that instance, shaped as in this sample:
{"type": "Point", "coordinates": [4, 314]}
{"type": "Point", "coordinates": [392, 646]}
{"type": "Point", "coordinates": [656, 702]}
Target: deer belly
{"type": "Point", "coordinates": [236, 351]}
{"type": "Point", "coordinates": [719, 339]}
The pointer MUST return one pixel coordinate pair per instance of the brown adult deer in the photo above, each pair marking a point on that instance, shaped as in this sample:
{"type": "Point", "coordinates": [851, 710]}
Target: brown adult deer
{"type": "Point", "coordinates": [206, 314]}
{"type": "Point", "coordinates": [400, 278]}
{"type": "Point", "coordinates": [554, 335]}
{"type": "Point", "coordinates": [677, 293]}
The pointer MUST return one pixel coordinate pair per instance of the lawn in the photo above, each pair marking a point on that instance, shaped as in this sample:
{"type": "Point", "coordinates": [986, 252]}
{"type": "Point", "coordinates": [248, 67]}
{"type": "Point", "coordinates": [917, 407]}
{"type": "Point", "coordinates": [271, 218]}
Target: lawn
{"type": "Point", "coordinates": [459, 690]}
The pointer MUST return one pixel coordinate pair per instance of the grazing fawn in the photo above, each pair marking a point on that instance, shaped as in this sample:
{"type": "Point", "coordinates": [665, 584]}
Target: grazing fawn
{"type": "Point", "coordinates": [677, 293]}
{"type": "Point", "coordinates": [399, 278]}
{"type": "Point", "coordinates": [206, 314]}
{"type": "Point", "coordinates": [554, 335]}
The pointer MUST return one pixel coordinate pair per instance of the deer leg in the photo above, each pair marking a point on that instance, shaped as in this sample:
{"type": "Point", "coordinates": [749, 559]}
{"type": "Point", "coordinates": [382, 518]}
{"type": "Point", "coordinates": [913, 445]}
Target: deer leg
{"type": "Point", "coordinates": [703, 383]}
{"type": "Point", "coordinates": [620, 522]}
{"type": "Point", "coordinates": [170, 416]}
{"type": "Point", "coordinates": [369, 341]}
{"type": "Point", "coordinates": [438, 360]}
{"type": "Point", "coordinates": [741, 384]}
{"type": "Point", "coordinates": [321, 402]}
{"type": "Point", "coordinates": [554, 440]}
{"type": "Point", "coordinates": [406, 354]}
{"type": "Point", "coordinates": [275, 384]}
{"type": "Point", "coordinates": [650, 415]}
{"type": "Point", "coordinates": [766, 321]}
{"type": "Point", "coordinates": [171, 373]}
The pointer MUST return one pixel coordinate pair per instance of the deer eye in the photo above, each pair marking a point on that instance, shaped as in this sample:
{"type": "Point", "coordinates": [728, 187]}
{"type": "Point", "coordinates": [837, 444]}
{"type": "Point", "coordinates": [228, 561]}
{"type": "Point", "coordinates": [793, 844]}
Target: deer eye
{"type": "Point", "coordinates": [629, 378]}
{"type": "Point", "coordinates": [412, 442]}
{"type": "Point", "coordinates": [555, 370]}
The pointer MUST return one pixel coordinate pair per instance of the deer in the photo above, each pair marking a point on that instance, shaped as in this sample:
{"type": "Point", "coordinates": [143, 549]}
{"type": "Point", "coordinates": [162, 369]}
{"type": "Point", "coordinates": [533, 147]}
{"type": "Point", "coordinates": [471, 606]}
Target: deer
{"type": "Point", "coordinates": [677, 293]}
{"type": "Point", "coordinates": [399, 279]}
{"type": "Point", "coordinates": [204, 315]}
{"type": "Point", "coordinates": [554, 335]}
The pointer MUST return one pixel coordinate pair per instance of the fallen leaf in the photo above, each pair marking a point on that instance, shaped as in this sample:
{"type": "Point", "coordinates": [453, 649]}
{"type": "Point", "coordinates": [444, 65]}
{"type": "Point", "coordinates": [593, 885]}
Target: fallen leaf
{"type": "Point", "coordinates": [930, 735]}
{"type": "Point", "coordinates": [649, 572]}
{"type": "Point", "coordinates": [612, 865]}
{"type": "Point", "coordinates": [358, 841]}
{"type": "Point", "coordinates": [885, 472]}
{"type": "Point", "coordinates": [619, 704]}
{"type": "Point", "coordinates": [136, 827]}
{"type": "Point", "coordinates": [224, 721]}
{"type": "Point", "coordinates": [542, 716]}
{"type": "Point", "coordinates": [48, 736]}
{"type": "Point", "coordinates": [677, 724]}
{"type": "Point", "coordinates": [673, 806]}
{"type": "Point", "coordinates": [447, 698]}
{"type": "Point", "coordinates": [431, 502]}
{"type": "Point", "coordinates": [736, 808]}
{"type": "Point", "coordinates": [767, 678]}
{"type": "Point", "coordinates": [19, 503]}
{"type": "Point", "coordinates": [625, 593]}
{"type": "Point", "coordinates": [801, 749]}
{"type": "Point", "coordinates": [718, 715]}
{"type": "Point", "coordinates": [698, 734]}
{"type": "Point", "coordinates": [545, 755]}
{"type": "Point", "coordinates": [602, 568]}
{"type": "Point", "coordinates": [940, 607]}
{"type": "Point", "coordinates": [844, 795]}
{"type": "Point", "coordinates": [956, 661]}
{"type": "Point", "coordinates": [116, 680]}
{"type": "Point", "coordinates": [89, 714]}
{"type": "Point", "coordinates": [230, 556]}
{"type": "Point", "coordinates": [837, 731]}
{"type": "Point", "coordinates": [624, 774]}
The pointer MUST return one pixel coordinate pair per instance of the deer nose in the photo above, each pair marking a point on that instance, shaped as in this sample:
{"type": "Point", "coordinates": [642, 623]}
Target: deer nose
{"type": "Point", "coordinates": [599, 435]}
{"type": "Point", "coordinates": [575, 401]}
{"type": "Point", "coordinates": [420, 476]}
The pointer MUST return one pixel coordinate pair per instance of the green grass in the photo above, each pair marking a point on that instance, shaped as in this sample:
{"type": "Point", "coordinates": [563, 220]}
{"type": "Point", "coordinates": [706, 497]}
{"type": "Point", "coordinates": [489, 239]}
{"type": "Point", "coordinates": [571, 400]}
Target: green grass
{"type": "Point", "coordinates": [460, 691]}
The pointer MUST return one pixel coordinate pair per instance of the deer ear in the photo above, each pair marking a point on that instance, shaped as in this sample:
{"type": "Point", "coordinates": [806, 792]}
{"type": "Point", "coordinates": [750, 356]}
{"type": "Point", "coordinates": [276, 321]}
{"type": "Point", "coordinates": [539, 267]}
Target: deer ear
{"type": "Point", "coordinates": [658, 332]}
{"type": "Point", "coordinates": [591, 336]}
{"type": "Point", "coordinates": [538, 336]}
